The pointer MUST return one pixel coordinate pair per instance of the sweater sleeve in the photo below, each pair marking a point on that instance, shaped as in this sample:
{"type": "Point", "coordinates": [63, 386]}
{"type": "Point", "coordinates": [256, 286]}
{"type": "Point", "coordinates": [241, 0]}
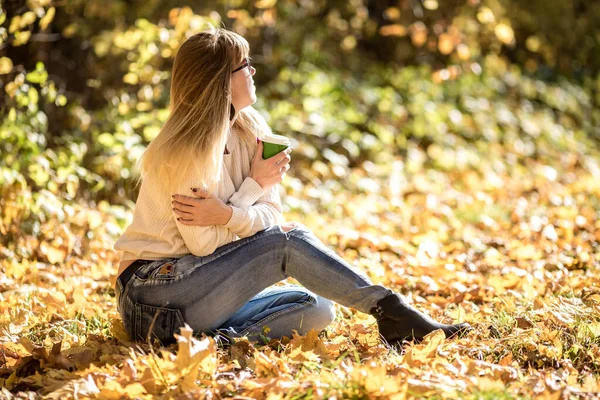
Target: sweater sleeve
{"type": "Point", "coordinates": [248, 193]}
{"type": "Point", "coordinates": [201, 240]}
{"type": "Point", "coordinates": [248, 218]}
{"type": "Point", "coordinates": [204, 240]}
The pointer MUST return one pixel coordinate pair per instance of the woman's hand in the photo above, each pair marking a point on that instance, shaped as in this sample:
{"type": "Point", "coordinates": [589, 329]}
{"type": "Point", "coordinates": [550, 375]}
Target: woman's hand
{"type": "Point", "coordinates": [204, 210]}
{"type": "Point", "coordinates": [269, 172]}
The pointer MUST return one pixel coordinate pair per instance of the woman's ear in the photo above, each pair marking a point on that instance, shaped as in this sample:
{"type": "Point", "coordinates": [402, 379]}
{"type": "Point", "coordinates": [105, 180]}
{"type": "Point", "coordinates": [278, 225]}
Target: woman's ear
{"type": "Point", "coordinates": [231, 112]}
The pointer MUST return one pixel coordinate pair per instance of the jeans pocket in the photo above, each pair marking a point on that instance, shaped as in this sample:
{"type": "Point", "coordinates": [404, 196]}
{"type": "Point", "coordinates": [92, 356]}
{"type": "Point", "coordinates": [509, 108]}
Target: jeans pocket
{"type": "Point", "coordinates": [160, 322]}
{"type": "Point", "coordinates": [160, 269]}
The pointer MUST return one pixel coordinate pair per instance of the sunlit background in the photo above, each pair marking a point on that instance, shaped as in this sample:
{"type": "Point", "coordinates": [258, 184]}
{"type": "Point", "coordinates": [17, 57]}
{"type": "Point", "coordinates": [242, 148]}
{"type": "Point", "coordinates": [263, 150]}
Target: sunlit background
{"type": "Point", "coordinates": [449, 149]}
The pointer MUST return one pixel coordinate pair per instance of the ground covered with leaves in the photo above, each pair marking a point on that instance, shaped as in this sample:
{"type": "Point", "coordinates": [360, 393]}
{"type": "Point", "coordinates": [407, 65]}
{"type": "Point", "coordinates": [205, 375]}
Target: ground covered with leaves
{"type": "Point", "coordinates": [511, 248]}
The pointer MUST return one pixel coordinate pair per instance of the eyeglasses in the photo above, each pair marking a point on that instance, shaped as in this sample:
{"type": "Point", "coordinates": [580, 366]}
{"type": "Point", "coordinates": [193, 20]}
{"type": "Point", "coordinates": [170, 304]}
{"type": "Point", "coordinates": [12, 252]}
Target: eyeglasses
{"type": "Point", "coordinates": [244, 65]}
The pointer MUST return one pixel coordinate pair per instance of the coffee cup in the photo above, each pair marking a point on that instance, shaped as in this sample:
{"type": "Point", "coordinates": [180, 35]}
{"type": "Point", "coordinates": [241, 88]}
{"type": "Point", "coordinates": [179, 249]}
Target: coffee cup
{"type": "Point", "coordinates": [274, 144]}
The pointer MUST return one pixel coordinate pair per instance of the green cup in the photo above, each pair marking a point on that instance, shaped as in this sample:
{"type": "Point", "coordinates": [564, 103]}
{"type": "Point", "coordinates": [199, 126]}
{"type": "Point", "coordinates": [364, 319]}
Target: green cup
{"type": "Point", "coordinates": [274, 144]}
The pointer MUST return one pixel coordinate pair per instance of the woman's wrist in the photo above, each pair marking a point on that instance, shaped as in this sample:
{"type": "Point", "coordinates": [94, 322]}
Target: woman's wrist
{"type": "Point", "coordinates": [257, 181]}
{"type": "Point", "coordinates": [226, 214]}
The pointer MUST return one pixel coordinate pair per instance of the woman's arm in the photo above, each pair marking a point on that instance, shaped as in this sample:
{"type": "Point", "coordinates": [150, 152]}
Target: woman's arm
{"type": "Point", "coordinates": [255, 206]}
{"type": "Point", "coordinates": [201, 239]}
{"type": "Point", "coordinates": [235, 216]}
{"type": "Point", "coordinates": [267, 211]}
{"type": "Point", "coordinates": [248, 194]}
{"type": "Point", "coordinates": [204, 240]}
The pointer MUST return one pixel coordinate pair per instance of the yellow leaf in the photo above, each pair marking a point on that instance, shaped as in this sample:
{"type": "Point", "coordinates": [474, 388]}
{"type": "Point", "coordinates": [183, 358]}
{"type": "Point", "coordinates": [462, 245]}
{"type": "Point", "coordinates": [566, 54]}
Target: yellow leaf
{"type": "Point", "coordinates": [463, 51]}
{"type": "Point", "coordinates": [299, 355]}
{"type": "Point", "coordinates": [488, 384]}
{"type": "Point", "coordinates": [504, 33]}
{"type": "Point", "coordinates": [129, 370]}
{"type": "Point", "coordinates": [111, 390]}
{"type": "Point", "coordinates": [591, 384]}
{"type": "Point", "coordinates": [118, 330]}
{"type": "Point", "coordinates": [393, 30]}
{"type": "Point", "coordinates": [6, 65]}
{"type": "Point", "coordinates": [134, 390]}
{"type": "Point", "coordinates": [310, 342]}
{"type": "Point", "coordinates": [493, 257]}
{"type": "Point", "coordinates": [47, 19]}
{"type": "Point", "coordinates": [149, 381]}
{"type": "Point", "coordinates": [594, 328]}
{"type": "Point", "coordinates": [27, 19]}
{"type": "Point", "coordinates": [485, 15]}
{"type": "Point", "coordinates": [418, 33]}
{"type": "Point", "coordinates": [458, 314]}
{"type": "Point", "coordinates": [131, 78]}
{"type": "Point", "coordinates": [430, 4]}
{"type": "Point", "coordinates": [379, 382]}
{"type": "Point", "coordinates": [56, 300]}
{"type": "Point", "coordinates": [94, 218]}
{"type": "Point", "coordinates": [21, 38]}
{"type": "Point", "coordinates": [527, 252]}
{"type": "Point", "coordinates": [14, 24]}
{"type": "Point", "coordinates": [265, 3]}
{"type": "Point", "coordinates": [421, 353]}
{"type": "Point", "coordinates": [53, 255]}
{"type": "Point", "coordinates": [445, 43]}
{"type": "Point", "coordinates": [503, 282]}
{"type": "Point", "coordinates": [420, 388]}
{"type": "Point", "coordinates": [192, 355]}
{"type": "Point", "coordinates": [16, 270]}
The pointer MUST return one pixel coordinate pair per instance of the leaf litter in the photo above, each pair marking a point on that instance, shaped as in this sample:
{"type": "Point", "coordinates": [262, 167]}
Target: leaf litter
{"type": "Point", "coordinates": [515, 254]}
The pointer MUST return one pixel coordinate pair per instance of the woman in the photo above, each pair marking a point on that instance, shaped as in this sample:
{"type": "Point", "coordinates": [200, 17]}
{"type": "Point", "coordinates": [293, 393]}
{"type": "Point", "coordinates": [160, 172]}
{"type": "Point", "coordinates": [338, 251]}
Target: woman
{"type": "Point", "coordinates": [207, 241]}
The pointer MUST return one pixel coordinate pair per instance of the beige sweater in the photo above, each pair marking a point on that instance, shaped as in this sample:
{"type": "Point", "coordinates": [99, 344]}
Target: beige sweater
{"type": "Point", "coordinates": [155, 232]}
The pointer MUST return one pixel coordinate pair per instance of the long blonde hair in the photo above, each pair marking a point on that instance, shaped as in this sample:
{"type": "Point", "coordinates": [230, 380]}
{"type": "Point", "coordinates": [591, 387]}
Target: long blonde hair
{"type": "Point", "coordinates": [195, 133]}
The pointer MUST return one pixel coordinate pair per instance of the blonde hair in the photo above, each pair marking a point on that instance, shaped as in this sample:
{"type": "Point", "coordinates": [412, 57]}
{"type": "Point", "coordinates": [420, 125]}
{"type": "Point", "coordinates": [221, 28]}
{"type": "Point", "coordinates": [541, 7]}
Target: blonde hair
{"type": "Point", "coordinates": [195, 133]}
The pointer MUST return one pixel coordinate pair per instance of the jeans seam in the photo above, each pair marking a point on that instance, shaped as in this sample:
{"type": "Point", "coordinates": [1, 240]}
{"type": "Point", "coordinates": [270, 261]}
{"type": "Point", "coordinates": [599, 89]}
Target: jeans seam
{"type": "Point", "coordinates": [276, 292]}
{"type": "Point", "coordinates": [276, 314]}
{"type": "Point", "coordinates": [315, 248]}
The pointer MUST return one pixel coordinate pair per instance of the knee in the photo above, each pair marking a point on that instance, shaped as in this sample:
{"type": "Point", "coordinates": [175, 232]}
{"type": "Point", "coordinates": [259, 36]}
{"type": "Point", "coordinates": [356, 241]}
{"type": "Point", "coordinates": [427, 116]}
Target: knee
{"type": "Point", "coordinates": [322, 314]}
{"type": "Point", "coordinates": [293, 230]}
{"type": "Point", "coordinates": [292, 225]}
{"type": "Point", "coordinates": [329, 313]}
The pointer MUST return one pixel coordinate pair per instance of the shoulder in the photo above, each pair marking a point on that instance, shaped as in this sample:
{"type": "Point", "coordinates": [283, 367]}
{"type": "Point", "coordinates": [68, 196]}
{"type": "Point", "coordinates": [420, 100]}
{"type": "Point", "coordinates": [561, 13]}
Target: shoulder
{"type": "Point", "coordinates": [159, 184]}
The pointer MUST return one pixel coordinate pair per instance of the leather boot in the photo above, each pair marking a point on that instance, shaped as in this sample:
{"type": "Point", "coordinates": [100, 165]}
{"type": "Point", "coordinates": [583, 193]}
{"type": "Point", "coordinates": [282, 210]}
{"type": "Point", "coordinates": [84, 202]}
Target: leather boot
{"type": "Point", "coordinates": [398, 321]}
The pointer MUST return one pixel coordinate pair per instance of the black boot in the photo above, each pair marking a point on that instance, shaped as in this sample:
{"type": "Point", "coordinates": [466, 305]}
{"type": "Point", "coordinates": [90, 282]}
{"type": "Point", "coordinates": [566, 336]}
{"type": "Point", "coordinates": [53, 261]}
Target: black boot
{"type": "Point", "coordinates": [398, 321]}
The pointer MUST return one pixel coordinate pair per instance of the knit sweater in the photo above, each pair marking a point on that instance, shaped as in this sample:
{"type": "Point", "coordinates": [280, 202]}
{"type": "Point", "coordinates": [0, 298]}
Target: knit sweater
{"type": "Point", "coordinates": [156, 234]}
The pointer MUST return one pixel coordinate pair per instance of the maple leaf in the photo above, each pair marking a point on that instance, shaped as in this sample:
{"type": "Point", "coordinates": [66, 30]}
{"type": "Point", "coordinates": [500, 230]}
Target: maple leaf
{"type": "Point", "coordinates": [310, 343]}
{"type": "Point", "coordinates": [424, 352]}
{"type": "Point", "coordinates": [193, 357]}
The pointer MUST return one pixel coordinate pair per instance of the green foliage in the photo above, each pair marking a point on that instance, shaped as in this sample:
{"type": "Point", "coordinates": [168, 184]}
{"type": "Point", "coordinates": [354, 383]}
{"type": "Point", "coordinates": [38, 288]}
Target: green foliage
{"type": "Point", "coordinates": [460, 81]}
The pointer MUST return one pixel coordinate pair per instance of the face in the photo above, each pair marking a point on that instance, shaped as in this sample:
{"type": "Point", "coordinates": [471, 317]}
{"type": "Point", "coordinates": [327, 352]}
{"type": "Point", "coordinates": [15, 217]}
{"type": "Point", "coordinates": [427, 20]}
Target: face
{"type": "Point", "coordinates": [243, 91]}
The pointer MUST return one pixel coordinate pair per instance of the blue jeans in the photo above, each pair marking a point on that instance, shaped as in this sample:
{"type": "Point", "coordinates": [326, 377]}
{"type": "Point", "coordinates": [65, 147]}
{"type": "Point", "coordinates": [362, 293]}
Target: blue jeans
{"type": "Point", "coordinates": [232, 289]}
